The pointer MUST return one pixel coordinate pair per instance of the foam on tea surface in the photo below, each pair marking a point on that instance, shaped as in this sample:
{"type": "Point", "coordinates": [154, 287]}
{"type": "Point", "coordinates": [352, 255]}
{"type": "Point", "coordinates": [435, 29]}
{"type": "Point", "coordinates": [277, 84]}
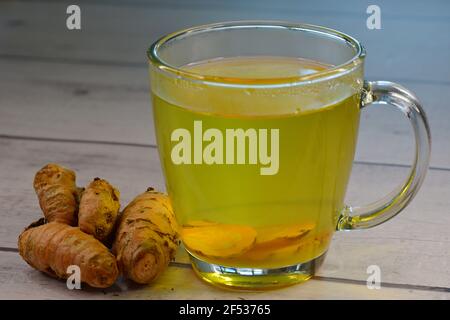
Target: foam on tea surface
{"type": "Point", "coordinates": [255, 69]}
{"type": "Point", "coordinates": [258, 86]}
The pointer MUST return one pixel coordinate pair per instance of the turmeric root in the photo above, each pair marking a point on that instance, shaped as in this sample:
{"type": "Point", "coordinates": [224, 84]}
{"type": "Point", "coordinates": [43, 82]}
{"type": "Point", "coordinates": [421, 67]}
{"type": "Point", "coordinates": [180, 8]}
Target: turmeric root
{"type": "Point", "coordinates": [53, 247]}
{"type": "Point", "coordinates": [99, 208]}
{"type": "Point", "coordinates": [57, 193]}
{"type": "Point", "coordinates": [147, 237]}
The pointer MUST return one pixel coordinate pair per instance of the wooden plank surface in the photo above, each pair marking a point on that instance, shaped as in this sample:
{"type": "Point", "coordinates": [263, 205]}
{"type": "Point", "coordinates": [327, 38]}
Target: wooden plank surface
{"type": "Point", "coordinates": [112, 104]}
{"type": "Point", "coordinates": [18, 281]}
{"type": "Point", "coordinates": [410, 249]}
{"type": "Point", "coordinates": [395, 52]}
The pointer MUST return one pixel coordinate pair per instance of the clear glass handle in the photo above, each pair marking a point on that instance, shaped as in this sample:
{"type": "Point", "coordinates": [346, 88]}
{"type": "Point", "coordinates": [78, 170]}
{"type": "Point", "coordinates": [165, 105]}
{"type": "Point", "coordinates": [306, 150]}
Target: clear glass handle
{"type": "Point", "coordinates": [373, 214]}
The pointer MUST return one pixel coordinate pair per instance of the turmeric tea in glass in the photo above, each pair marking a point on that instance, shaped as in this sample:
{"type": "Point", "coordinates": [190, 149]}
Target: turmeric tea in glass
{"type": "Point", "coordinates": [256, 125]}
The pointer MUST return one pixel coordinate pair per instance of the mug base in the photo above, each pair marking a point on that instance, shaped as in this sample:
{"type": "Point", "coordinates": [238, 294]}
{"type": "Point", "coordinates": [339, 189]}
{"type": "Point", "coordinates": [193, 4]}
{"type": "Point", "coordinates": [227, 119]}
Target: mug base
{"type": "Point", "coordinates": [253, 279]}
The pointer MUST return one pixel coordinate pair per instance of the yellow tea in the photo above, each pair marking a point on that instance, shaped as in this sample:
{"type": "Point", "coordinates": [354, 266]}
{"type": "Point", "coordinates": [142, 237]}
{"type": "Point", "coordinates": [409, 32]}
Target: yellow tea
{"type": "Point", "coordinates": [256, 181]}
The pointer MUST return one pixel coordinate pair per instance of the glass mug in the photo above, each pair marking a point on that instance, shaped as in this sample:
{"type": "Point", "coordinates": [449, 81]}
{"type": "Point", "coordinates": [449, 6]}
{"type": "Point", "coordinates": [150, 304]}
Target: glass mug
{"type": "Point", "coordinates": [256, 125]}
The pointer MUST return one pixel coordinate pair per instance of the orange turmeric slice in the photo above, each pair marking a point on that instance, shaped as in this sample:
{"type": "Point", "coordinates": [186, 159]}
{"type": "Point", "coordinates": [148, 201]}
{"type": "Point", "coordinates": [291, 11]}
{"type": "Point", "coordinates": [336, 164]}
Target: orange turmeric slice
{"type": "Point", "coordinates": [219, 240]}
{"type": "Point", "coordinates": [303, 248]}
{"type": "Point", "coordinates": [270, 234]}
{"type": "Point", "coordinates": [283, 252]}
{"type": "Point", "coordinates": [199, 223]}
{"type": "Point", "coordinates": [279, 240]}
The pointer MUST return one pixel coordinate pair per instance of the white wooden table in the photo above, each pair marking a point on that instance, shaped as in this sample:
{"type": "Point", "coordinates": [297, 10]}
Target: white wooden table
{"type": "Point", "coordinates": [81, 98]}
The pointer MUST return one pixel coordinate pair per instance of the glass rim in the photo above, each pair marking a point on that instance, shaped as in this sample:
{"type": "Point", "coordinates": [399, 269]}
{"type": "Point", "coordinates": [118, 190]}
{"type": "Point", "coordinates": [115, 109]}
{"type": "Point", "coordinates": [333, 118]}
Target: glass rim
{"type": "Point", "coordinates": [326, 74]}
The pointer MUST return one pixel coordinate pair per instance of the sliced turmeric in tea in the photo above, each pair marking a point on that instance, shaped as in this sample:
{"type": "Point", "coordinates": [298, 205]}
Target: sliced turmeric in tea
{"type": "Point", "coordinates": [219, 240]}
{"type": "Point", "coordinates": [199, 223]}
{"type": "Point", "coordinates": [269, 234]}
{"type": "Point", "coordinates": [279, 240]}
{"type": "Point", "coordinates": [282, 249]}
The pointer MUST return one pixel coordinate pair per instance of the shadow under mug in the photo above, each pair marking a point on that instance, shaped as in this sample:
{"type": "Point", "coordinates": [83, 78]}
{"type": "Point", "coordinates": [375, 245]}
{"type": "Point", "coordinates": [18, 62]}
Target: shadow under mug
{"type": "Point", "coordinates": [246, 225]}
